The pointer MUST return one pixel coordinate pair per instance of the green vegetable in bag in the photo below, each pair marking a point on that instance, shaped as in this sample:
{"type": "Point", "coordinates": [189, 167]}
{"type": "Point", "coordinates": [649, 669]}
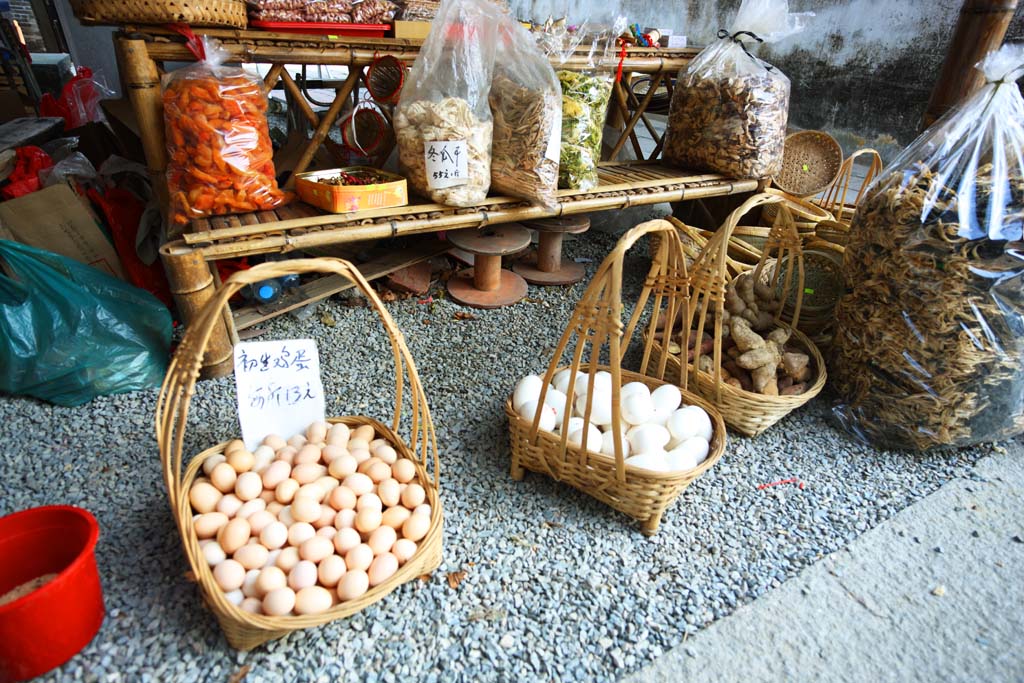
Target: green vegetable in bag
{"type": "Point", "coordinates": [584, 104]}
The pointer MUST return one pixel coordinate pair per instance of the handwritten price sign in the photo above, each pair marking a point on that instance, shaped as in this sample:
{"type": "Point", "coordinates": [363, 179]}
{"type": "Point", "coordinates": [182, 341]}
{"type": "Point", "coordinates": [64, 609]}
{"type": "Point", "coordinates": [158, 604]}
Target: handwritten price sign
{"type": "Point", "coordinates": [446, 163]}
{"type": "Point", "coordinates": [279, 388]}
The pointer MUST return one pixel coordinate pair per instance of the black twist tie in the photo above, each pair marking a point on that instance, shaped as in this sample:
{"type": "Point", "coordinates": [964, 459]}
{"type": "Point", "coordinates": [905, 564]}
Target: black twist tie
{"type": "Point", "coordinates": [735, 37]}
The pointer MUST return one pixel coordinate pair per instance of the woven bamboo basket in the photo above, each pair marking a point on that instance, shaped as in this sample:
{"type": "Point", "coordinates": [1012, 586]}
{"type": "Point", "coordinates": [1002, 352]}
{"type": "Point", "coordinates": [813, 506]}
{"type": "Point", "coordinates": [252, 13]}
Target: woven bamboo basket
{"type": "Point", "coordinates": [835, 199]}
{"type": "Point", "coordinates": [810, 162]}
{"type": "Point", "coordinates": [823, 287]}
{"type": "Point", "coordinates": [833, 232]}
{"type": "Point", "coordinates": [747, 412]}
{"type": "Point", "coordinates": [806, 215]}
{"type": "Point", "coordinates": [693, 240]}
{"type": "Point", "coordinates": [597, 325]}
{"type": "Point", "coordinates": [230, 13]}
{"type": "Point", "coordinates": [244, 630]}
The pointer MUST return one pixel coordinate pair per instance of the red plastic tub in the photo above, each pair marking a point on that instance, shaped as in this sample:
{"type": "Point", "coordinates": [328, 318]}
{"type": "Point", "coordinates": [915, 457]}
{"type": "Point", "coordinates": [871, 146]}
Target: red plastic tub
{"type": "Point", "coordinates": [323, 29]}
{"type": "Point", "coordinates": [47, 627]}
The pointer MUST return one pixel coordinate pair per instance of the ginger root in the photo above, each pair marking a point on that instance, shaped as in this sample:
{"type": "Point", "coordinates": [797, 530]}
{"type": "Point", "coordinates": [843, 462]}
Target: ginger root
{"type": "Point", "coordinates": [797, 365]}
{"type": "Point", "coordinates": [763, 363]}
{"type": "Point", "coordinates": [746, 338]}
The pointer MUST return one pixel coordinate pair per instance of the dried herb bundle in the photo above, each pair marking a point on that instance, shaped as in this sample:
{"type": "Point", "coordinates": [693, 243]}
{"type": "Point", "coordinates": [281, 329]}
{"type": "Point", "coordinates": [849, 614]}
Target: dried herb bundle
{"type": "Point", "coordinates": [735, 125]}
{"type": "Point", "coordinates": [584, 105]}
{"type": "Point", "coordinates": [930, 337]}
{"type": "Point", "coordinates": [525, 147]}
{"type": "Point", "coordinates": [451, 119]}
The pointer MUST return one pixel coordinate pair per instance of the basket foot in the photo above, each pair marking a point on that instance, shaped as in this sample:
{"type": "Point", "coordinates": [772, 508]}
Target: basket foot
{"type": "Point", "coordinates": [650, 526]}
{"type": "Point", "coordinates": [517, 471]}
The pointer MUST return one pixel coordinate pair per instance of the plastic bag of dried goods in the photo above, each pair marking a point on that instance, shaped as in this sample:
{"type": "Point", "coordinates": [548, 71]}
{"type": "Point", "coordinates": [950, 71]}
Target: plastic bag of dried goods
{"type": "Point", "coordinates": [929, 338]}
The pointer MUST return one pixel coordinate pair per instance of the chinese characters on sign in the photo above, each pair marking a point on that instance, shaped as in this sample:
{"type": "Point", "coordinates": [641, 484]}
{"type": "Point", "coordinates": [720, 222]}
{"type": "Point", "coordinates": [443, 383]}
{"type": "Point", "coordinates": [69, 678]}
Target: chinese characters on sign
{"type": "Point", "coordinates": [446, 163]}
{"type": "Point", "coordinates": [279, 388]}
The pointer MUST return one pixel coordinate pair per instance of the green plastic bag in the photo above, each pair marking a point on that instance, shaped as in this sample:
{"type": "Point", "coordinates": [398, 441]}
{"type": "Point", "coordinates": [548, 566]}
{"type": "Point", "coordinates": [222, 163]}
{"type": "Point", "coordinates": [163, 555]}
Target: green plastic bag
{"type": "Point", "coordinates": [69, 332]}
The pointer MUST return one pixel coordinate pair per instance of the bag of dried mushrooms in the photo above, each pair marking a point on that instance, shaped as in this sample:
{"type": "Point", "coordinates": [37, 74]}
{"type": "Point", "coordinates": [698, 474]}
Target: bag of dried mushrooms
{"type": "Point", "coordinates": [729, 109]}
{"type": "Point", "coordinates": [929, 340]}
{"type": "Point", "coordinates": [443, 122]}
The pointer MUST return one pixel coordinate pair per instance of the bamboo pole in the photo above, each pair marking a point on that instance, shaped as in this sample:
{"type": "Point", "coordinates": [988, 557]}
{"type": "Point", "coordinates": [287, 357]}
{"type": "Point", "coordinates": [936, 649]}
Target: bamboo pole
{"type": "Point", "coordinates": [641, 108]}
{"type": "Point", "coordinates": [619, 90]}
{"type": "Point", "coordinates": [192, 286]}
{"type": "Point", "coordinates": [980, 29]}
{"type": "Point", "coordinates": [300, 100]}
{"type": "Point", "coordinates": [328, 119]}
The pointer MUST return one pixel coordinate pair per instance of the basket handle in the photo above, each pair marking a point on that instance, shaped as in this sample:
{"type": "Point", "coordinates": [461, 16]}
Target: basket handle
{"type": "Point", "coordinates": [183, 371]}
{"type": "Point", "coordinates": [835, 197]}
{"type": "Point", "coordinates": [597, 319]}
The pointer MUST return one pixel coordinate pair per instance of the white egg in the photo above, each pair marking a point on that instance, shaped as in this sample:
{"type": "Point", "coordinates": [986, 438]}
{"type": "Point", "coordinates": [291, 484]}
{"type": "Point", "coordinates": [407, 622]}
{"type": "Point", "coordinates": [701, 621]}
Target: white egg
{"type": "Point", "coordinates": [667, 397]}
{"type": "Point", "coordinates": [681, 460]}
{"type": "Point", "coordinates": [603, 380]}
{"type": "Point", "coordinates": [575, 423]}
{"type": "Point", "coordinates": [637, 407]}
{"type": "Point", "coordinates": [594, 438]}
{"type": "Point", "coordinates": [561, 380]}
{"type": "Point", "coordinates": [528, 410]}
{"type": "Point", "coordinates": [634, 387]}
{"type": "Point", "coordinates": [557, 400]}
{"type": "Point", "coordinates": [690, 421]}
{"type": "Point", "coordinates": [608, 443]}
{"type": "Point", "coordinates": [600, 409]}
{"type": "Point", "coordinates": [648, 438]}
{"type": "Point", "coordinates": [660, 416]}
{"type": "Point", "coordinates": [656, 462]}
{"type": "Point", "coordinates": [696, 447]}
{"type": "Point", "coordinates": [528, 389]}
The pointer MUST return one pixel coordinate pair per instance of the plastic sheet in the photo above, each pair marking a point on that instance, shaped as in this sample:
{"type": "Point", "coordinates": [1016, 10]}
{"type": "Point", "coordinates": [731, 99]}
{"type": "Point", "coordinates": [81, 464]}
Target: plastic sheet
{"type": "Point", "coordinates": [729, 109]}
{"type": "Point", "coordinates": [69, 333]}
{"type": "Point", "coordinates": [218, 143]}
{"type": "Point", "coordinates": [929, 341]}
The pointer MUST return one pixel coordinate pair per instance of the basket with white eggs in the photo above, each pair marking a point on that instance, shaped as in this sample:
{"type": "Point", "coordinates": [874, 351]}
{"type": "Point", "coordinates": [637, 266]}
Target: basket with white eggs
{"type": "Point", "coordinates": [305, 528]}
{"type": "Point", "coordinates": [630, 440]}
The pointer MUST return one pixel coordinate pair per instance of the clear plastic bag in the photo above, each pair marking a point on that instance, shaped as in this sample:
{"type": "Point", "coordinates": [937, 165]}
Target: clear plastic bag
{"type": "Point", "coordinates": [729, 109]}
{"type": "Point", "coordinates": [585, 97]}
{"type": "Point", "coordinates": [929, 341]}
{"type": "Point", "coordinates": [220, 158]}
{"type": "Point", "coordinates": [69, 332]}
{"type": "Point", "coordinates": [526, 101]}
{"type": "Point", "coordinates": [443, 123]}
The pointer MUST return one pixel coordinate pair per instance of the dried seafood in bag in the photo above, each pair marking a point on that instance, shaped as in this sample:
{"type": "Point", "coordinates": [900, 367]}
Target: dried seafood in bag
{"type": "Point", "coordinates": [373, 11]}
{"type": "Point", "coordinates": [584, 106]}
{"type": "Point", "coordinates": [445, 150]}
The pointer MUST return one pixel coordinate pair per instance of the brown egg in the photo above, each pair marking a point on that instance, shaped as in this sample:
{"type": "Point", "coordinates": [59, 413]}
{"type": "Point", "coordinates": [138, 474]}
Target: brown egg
{"type": "Point", "coordinates": [367, 464]}
{"type": "Point", "coordinates": [212, 461]}
{"type": "Point", "coordinates": [279, 602]}
{"type": "Point", "coordinates": [358, 445]}
{"type": "Point", "coordinates": [274, 441]}
{"type": "Point", "coordinates": [346, 539]}
{"type": "Point", "coordinates": [416, 527]}
{"type": "Point", "coordinates": [377, 442]}
{"type": "Point", "coordinates": [327, 531]}
{"type": "Point", "coordinates": [275, 473]}
{"type": "Point", "coordinates": [403, 550]}
{"type": "Point", "coordinates": [317, 432]}
{"type": "Point", "coordinates": [312, 490]}
{"type": "Point", "coordinates": [274, 507]}
{"type": "Point", "coordinates": [302, 575]}
{"type": "Point", "coordinates": [386, 453]}
{"type": "Point", "coordinates": [250, 507]}
{"type": "Point", "coordinates": [369, 501]}
{"type": "Point", "coordinates": [389, 491]}
{"type": "Point", "coordinates": [345, 519]}
{"type": "Point", "coordinates": [359, 557]}
{"type": "Point", "coordinates": [267, 496]}
{"type": "Point", "coordinates": [403, 470]}
{"type": "Point", "coordinates": [312, 600]}
{"type": "Point", "coordinates": [252, 606]}
{"type": "Point", "coordinates": [342, 498]}
{"type": "Point", "coordinates": [234, 445]}
{"type": "Point", "coordinates": [316, 549]}
{"type": "Point", "coordinates": [274, 535]}
{"type": "Point", "coordinates": [413, 495]}
{"type": "Point", "coordinates": [342, 466]}
{"type": "Point", "coordinates": [209, 524]}
{"type": "Point", "coordinates": [305, 509]}
{"type": "Point", "coordinates": [330, 570]}
{"type": "Point", "coordinates": [287, 454]}
{"type": "Point", "coordinates": [233, 535]}
{"type": "Point", "coordinates": [287, 560]}
{"type": "Point", "coordinates": [338, 435]}
{"type": "Point", "coordinates": [252, 556]}
{"type": "Point", "coordinates": [331, 453]}
{"type": "Point", "coordinates": [360, 455]}
{"type": "Point", "coordinates": [285, 491]}
{"type": "Point", "coordinates": [308, 455]}
{"type": "Point", "coordinates": [328, 484]}
{"type": "Point", "coordinates": [262, 456]}
{"type": "Point", "coordinates": [358, 483]}
{"type": "Point", "coordinates": [379, 471]}
{"type": "Point", "coordinates": [259, 520]}
{"type": "Point", "coordinates": [249, 485]}
{"type": "Point", "coordinates": [205, 497]}
{"type": "Point", "coordinates": [308, 473]}
{"type": "Point", "coordinates": [368, 520]}
{"type": "Point", "coordinates": [223, 477]}
{"type": "Point", "coordinates": [364, 432]}
{"type": "Point", "coordinates": [395, 517]}
{"type": "Point", "coordinates": [353, 584]}
{"type": "Point", "coordinates": [383, 568]}
{"type": "Point", "coordinates": [326, 520]}
{"type": "Point", "coordinates": [382, 539]}
{"type": "Point", "coordinates": [229, 575]}
{"type": "Point", "coordinates": [241, 460]}
{"type": "Point", "coordinates": [297, 441]}
{"type": "Point", "coordinates": [299, 533]}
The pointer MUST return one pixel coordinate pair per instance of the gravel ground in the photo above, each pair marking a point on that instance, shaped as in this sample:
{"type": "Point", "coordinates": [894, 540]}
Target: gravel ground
{"type": "Point", "coordinates": [557, 586]}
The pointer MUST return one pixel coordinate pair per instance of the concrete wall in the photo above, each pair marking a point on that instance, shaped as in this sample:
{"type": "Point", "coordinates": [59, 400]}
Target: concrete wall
{"type": "Point", "coordinates": [91, 46]}
{"type": "Point", "coordinates": [862, 69]}
{"type": "Point", "coordinates": [21, 11]}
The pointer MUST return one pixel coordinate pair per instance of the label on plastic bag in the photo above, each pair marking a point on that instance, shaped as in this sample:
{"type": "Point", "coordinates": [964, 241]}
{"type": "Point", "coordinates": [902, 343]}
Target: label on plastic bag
{"type": "Point", "coordinates": [447, 163]}
{"type": "Point", "coordinates": [279, 388]}
{"type": "Point", "coordinates": [554, 149]}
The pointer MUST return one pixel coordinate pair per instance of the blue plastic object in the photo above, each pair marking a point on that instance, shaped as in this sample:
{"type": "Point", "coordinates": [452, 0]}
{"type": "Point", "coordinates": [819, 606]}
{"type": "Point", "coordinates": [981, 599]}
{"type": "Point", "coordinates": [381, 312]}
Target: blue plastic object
{"type": "Point", "coordinates": [69, 332]}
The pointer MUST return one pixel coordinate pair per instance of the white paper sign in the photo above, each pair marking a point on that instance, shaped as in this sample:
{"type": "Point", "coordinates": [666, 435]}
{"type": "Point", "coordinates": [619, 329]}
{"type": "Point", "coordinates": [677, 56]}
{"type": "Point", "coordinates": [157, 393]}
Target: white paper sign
{"type": "Point", "coordinates": [279, 388]}
{"type": "Point", "coordinates": [554, 148]}
{"type": "Point", "coordinates": [447, 163]}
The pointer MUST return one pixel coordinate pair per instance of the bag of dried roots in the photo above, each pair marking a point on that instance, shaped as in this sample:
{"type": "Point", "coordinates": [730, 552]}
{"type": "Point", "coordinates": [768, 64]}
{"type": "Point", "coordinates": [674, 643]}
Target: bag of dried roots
{"type": "Point", "coordinates": [929, 339]}
{"type": "Point", "coordinates": [729, 109]}
{"type": "Point", "coordinates": [443, 120]}
{"type": "Point", "coordinates": [526, 104]}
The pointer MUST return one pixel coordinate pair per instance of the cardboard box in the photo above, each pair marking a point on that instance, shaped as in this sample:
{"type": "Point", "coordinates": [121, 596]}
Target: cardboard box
{"type": "Point", "coordinates": [58, 220]}
{"type": "Point", "coordinates": [413, 30]}
{"type": "Point", "coordinates": [345, 198]}
{"type": "Point", "coordinates": [677, 42]}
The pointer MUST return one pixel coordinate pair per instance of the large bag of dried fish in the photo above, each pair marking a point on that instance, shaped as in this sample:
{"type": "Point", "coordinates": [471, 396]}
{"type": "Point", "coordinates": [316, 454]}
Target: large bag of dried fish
{"type": "Point", "coordinates": [729, 109]}
{"type": "Point", "coordinates": [526, 101]}
{"type": "Point", "coordinates": [443, 123]}
{"type": "Point", "coordinates": [929, 345]}
{"type": "Point", "coordinates": [585, 96]}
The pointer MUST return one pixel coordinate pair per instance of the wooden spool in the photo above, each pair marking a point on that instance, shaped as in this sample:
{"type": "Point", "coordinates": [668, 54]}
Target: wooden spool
{"type": "Point", "coordinates": [547, 267]}
{"type": "Point", "coordinates": [487, 284]}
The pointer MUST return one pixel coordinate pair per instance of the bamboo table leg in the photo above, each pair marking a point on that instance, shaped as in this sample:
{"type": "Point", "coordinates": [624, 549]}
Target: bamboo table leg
{"type": "Point", "coordinates": [192, 285]}
{"type": "Point", "coordinates": [548, 268]}
{"type": "Point", "coordinates": [487, 284]}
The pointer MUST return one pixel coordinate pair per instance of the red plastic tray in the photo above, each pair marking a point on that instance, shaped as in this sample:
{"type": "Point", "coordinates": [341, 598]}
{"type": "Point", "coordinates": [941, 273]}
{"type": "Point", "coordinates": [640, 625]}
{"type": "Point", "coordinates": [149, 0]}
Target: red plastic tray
{"type": "Point", "coordinates": [359, 30]}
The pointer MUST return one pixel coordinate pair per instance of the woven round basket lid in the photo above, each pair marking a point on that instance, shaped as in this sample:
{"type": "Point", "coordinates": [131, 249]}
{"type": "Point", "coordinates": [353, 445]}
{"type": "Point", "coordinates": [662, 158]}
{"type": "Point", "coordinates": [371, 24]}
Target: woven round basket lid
{"type": "Point", "coordinates": [810, 163]}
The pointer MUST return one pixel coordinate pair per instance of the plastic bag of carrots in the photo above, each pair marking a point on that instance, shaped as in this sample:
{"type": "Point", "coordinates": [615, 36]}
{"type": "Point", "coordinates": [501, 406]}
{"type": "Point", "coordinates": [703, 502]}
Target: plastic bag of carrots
{"type": "Point", "coordinates": [218, 143]}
